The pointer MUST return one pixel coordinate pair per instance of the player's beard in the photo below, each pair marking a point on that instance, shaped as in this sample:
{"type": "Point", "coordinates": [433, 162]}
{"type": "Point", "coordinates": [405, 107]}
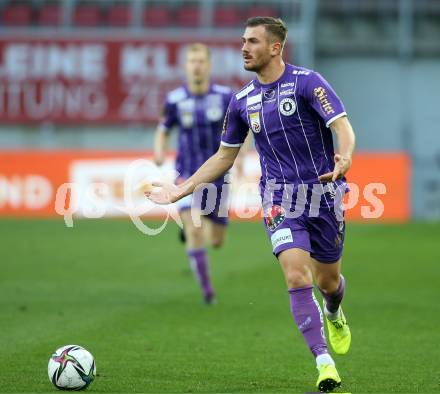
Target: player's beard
{"type": "Point", "coordinates": [257, 66]}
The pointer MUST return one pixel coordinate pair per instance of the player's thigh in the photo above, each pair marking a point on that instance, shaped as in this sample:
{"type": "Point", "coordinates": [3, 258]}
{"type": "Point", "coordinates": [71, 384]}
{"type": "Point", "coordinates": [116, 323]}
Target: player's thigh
{"type": "Point", "coordinates": [215, 232]}
{"type": "Point", "coordinates": [290, 244]}
{"type": "Point", "coordinates": [193, 232]}
{"type": "Point", "coordinates": [327, 241]}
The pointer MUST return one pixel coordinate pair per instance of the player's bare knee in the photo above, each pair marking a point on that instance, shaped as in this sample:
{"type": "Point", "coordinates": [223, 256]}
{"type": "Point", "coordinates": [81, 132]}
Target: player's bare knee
{"type": "Point", "coordinates": [297, 278]}
{"type": "Point", "coordinates": [217, 240]}
{"type": "Point", "coordinates": [194, 235]}
{"type": "Point", "coordinates": [328, 284]}
{"type": "Point", "coordinates": [217, 243]}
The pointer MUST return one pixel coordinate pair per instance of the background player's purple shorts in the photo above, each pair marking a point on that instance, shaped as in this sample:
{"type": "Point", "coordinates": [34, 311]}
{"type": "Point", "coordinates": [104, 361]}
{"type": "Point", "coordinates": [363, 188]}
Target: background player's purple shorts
{"type": "Point", "coordinates": [322, 236]}
{"type": "Point", "coordinates": [219, 214]}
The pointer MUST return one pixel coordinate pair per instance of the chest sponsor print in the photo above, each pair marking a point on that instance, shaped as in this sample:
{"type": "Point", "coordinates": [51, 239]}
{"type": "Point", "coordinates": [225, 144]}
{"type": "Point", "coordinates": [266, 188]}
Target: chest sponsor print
{"type": "Point", "coordinates": [255, 107]}
{"type": "Point", "coordinates": [288, 92]}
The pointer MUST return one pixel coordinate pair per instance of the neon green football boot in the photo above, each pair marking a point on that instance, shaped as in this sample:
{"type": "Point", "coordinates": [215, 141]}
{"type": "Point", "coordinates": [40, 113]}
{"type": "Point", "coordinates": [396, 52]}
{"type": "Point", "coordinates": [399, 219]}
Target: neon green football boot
{"type": "Point", "coordinates": [339, 332]}
{"type": "Point", "coordinates": [328, 378]}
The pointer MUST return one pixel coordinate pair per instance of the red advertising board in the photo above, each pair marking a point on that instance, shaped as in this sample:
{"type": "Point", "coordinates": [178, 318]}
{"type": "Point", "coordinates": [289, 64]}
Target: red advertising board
{"type": "Point", "coordinates": [100, 80]}
{"type": "Point", "coordinates": [32, 181]}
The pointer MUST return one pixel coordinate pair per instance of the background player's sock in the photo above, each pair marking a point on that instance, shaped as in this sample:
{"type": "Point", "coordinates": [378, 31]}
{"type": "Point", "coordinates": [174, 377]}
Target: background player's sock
{"type": "Point", "coordinates": [332, 301]}
{"type": "Point", "coordinates": [198, 259]}
{"type": "Point", "coordinates": [308, 317]}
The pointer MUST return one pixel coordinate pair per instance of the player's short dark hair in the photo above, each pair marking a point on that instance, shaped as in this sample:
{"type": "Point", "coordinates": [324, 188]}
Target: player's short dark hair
{"type": "Point", "coordinates": [198, 46]}
{"type": "Point", "coordinates": [274, 26]}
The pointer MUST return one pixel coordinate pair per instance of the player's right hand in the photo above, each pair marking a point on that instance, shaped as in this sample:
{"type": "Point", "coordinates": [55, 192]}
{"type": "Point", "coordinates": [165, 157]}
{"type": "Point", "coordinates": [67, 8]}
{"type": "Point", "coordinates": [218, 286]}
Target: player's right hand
{"type": "Point", "coordinates": [163, 193]}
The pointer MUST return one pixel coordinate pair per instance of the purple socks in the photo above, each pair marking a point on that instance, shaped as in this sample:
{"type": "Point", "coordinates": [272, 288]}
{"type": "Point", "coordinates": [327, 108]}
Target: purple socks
{"type": "Point", "coordinates": [308, 317]}
{"type": "Point", "coordinates": [199, 263]}
{"type": "Point", "coordinates": [332, 301]}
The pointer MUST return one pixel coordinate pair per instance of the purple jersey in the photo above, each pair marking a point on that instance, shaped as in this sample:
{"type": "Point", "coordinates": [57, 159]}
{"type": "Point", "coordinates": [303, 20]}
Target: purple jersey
{"type": "Point", "coordinates": [289, 119]}
{"type": "Point", "coordinates": [199, 119]}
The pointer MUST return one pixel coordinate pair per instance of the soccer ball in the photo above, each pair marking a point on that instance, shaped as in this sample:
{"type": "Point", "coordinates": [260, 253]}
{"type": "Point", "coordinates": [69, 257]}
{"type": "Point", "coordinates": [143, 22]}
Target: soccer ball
{"type": "Point", "coordinates": [71, 367]}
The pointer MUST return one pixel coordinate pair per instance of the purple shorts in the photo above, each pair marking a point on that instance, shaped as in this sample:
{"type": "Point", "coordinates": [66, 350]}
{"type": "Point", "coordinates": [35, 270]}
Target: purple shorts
{"type": "Point", "coordinates": [216, 209]}
{"type": "Point", "coordinates": [322, 236]}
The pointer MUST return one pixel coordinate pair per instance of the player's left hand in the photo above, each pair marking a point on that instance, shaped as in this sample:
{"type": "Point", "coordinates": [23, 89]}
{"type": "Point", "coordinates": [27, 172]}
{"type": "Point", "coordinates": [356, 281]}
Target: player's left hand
{"type": "Point", "coordinates": [163, 193]}
{"type": "Point", "coordinates": [342, 165]}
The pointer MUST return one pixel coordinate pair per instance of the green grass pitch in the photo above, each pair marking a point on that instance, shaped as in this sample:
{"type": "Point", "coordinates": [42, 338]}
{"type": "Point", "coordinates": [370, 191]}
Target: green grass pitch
{"type": "Point", "coordinates": [131, 300]}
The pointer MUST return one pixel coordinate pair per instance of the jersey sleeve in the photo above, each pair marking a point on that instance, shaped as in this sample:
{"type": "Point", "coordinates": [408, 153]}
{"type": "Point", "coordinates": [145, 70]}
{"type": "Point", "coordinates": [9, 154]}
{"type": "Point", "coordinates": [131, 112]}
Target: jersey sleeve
{"type": "Point", "coordinates": [168, 117]}
{"type": "Point", "coordinates": [235, 129]}
{"type": "Point", "coordinates": [323, 99]}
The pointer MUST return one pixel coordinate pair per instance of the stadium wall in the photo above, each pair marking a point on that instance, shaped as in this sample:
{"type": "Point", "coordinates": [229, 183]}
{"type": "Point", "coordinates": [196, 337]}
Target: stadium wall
{"type": "Point", "coordinates": [394, 107]}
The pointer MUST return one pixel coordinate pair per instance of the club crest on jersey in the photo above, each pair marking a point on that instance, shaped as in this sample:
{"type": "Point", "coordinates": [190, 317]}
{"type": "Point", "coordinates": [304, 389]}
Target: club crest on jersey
{"type": "Point", "coordinates": [254, 118]}
{"type": "Point", "coordinates": [214, 110]}
{"type": "Point", "coordinates": [287, 106]}
{"type": "Point", "coordinates": [274, 217]}
{"type": "Point", "coordinates": [187, 119]}
{"type": "Point", "coordinates": [214, 114]}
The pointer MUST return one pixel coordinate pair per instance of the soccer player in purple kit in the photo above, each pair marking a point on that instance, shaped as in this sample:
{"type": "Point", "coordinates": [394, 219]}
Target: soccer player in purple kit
{"type": "Point", "coordinates": [292, 112]}
{"type": "Point", "coordinates": [197, 109]}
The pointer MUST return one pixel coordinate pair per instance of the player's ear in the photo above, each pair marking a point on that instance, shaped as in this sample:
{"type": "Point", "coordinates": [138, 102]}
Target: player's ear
{"type": "Point", "coordinates": [276, 48]}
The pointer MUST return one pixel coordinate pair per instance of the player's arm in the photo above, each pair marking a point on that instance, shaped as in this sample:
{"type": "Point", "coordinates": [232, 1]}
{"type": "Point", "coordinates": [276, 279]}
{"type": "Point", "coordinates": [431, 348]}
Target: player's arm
{"type": "Point", "coordinates": [346, 143]}
{"type": "Point", "coordinates": [330, 108]}
{"type": "Point", "coordinates": [168, 120]}
{"type": "Point", "coordinates": [213, 168]}
{"type": "Point", "coordinates": [239, 161]}
{"type": "Point", "coordinates": [160, 145]}
{"type": "Point", "coordinates": [234, 132]}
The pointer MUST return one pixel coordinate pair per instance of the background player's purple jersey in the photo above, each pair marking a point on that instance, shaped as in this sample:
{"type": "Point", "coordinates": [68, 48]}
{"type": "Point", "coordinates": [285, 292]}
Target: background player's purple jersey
{"type": "Point", "coordinates": [289, 119]}
{"type": "Point", "coordinates": [199, 119]}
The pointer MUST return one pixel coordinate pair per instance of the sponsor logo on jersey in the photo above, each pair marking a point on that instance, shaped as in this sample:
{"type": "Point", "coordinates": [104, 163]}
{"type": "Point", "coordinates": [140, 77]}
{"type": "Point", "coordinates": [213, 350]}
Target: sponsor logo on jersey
{"type": "Point", "coordinates": [255, 107]}
{"type": "Point", "coordinates": [300, 72]}
{"type": "Point", "coordinates": [287, 92]}
{"type": "Point", "coordinates": [274, 216]}
{"type": "Point", "coordinates": [287, 106]}
{"type": "Point", "coordinates": [281, 237]}
{"type": "Point", "coordinates": [321, 94]}
{"type": "Point", "coordinates": [288, 85]}
{"type": "Point", "coordinates": [254, 119]}
{"type": "Point", "coordinates": [269, 94]}
{"type": "Point", "coordinates": [253, 99]}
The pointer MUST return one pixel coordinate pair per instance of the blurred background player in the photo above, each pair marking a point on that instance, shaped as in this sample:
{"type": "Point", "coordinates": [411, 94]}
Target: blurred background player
{"type": "Point", "coordinates": [292, 112]}
{"type": "Point", "coordinates": [197, 109]}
